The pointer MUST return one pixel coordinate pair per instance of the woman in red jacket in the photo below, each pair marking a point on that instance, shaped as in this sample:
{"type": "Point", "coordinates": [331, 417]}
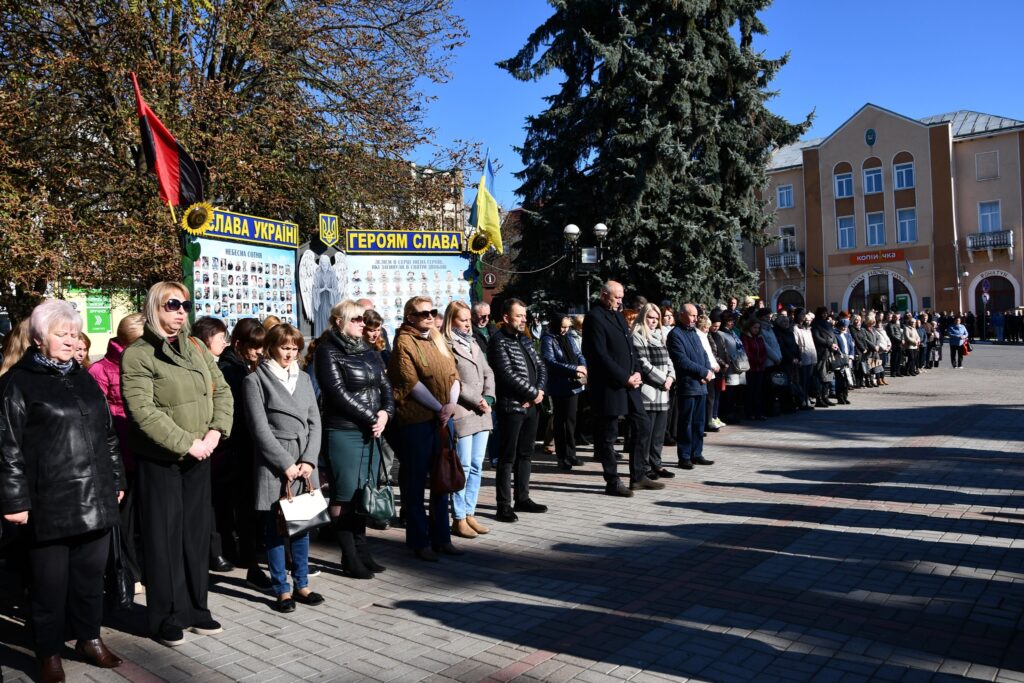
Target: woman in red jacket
{"type": "Point", "coordinates": [757, 354]}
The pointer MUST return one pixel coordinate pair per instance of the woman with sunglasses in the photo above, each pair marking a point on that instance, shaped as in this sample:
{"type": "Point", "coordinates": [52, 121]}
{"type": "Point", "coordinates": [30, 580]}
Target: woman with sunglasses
{"type": "Point", "coordinates": [426, 385]}
{"type": "Point", "coordinates": [179, 407]}
{"type": "Point", "coordinates": [357, 405]}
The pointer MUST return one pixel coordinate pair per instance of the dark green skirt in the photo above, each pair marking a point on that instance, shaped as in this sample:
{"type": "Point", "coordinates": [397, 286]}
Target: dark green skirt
{"type": "Point", "coordinates": [348, 451]}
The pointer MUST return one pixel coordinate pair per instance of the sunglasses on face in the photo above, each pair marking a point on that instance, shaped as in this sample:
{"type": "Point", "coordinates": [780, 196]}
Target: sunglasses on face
{"type": "Point", "coordinates": [423, 315]}
{"type": "Point", "coordinates": [175, 304]}
{"type": "Point", "coordinates": [357, 319]}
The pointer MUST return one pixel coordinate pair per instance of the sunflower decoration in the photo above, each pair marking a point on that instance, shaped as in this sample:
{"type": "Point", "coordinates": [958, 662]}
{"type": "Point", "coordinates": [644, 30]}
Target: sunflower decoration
{"type": "Point", "coordinates": [197, 218]}
{"type": "Point", "coordinates": [479, 243]}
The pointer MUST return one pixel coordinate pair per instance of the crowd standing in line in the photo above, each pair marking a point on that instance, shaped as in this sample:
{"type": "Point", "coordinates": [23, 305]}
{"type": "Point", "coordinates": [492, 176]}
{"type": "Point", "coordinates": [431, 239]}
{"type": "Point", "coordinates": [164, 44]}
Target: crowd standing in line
{"type": "Point", "coordinates": [181, 414]}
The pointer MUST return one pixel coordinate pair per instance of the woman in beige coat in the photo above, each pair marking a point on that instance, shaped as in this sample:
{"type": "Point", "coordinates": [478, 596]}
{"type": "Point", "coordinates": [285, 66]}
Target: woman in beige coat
{"type": "Point", "coordinates": [472, 422]}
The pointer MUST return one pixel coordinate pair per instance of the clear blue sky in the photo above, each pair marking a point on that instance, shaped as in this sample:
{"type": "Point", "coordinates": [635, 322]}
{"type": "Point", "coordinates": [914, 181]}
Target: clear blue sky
{"type": "Point", "coordinates": [915, 57]}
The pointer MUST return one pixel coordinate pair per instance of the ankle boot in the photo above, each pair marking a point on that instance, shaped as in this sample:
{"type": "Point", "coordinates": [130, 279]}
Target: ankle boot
{"type": "Point", "coordinates": [350, 562]}
{"type": "Point", "coordinates": [461, 528]}
{"type": "Point", "coordinates": [476, 526]}
{"type": "Point", "coordinates": [363, 548]}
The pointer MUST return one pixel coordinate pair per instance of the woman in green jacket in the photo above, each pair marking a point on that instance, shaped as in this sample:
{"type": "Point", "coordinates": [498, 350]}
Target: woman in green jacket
{"type": "Point", "coordinates": [179, 407]}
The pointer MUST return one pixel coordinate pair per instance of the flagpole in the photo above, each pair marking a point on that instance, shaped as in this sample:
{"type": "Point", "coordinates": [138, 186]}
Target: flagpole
{"type": "Point", "coordinates": [173, 217]}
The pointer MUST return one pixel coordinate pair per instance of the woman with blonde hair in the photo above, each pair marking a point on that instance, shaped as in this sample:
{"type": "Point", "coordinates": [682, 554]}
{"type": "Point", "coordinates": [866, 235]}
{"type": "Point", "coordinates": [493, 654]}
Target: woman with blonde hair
{"type": "Point", "coordinates": [658, 375]}
{"type": "Point", "coordinates": [82, 350]}
{"type": "Point", "coordinates": [358, 403]}
{"type": "Point", "coordinates": [15, 346]}
{"type": "Point", "coordinates": [472, 422]}
{"type": "Point", "coordinates": [426, 385]}
{"type": "Point", "coordinates": [107, 373]}
{"type": "Point", "coordinates": [179, 408]}
{"type": "Point", "coordinates": [61, 479]}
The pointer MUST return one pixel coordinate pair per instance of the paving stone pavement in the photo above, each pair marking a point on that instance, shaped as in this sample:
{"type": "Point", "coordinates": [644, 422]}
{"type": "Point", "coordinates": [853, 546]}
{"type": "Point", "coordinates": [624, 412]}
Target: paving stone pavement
{"type": "Point", "coordinates": [878, 541]}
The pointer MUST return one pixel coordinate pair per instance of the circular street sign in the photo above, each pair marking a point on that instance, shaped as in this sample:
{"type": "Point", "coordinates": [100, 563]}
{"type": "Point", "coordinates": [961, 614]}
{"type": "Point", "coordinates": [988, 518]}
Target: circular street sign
{"type": "Point", "coordinates": [984, 285]}
{"type": "Point", "coordinates": [870, 137]}
{"type": "Point", "coordinates": [490, 280]}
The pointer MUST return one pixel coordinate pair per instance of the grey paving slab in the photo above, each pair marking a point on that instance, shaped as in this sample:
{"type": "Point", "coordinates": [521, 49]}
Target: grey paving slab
{"type": "Point", "coordinates": [878, 541]}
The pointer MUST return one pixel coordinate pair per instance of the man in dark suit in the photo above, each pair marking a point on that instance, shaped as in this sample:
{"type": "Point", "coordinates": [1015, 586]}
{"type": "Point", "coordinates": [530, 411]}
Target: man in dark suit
{"type": "Point", "coordinates": [613, 383]}
{"type": "Point", "coordinates": [693, 372]}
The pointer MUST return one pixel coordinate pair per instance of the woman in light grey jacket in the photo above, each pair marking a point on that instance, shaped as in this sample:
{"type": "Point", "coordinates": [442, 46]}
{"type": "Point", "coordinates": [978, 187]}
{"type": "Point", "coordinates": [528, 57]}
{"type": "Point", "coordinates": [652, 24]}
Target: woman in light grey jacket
{"type": "Point", "coordinates": [284, 420]}
{"type": "Point", "coordinates": [658, 374]}
{"type": "Point", "coordinates": [473, 421]}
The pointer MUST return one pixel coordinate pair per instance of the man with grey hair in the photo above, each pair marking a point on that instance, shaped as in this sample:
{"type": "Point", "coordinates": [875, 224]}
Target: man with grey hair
{"type": "Point", "coordinates": [483, 327]}
{"type": "Point", "coordinates": [613, 383]}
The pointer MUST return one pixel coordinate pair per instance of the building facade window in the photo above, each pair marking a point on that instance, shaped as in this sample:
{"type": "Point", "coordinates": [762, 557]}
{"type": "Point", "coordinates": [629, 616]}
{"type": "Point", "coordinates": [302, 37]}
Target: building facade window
{"type": "Point", "coordinates": [785, 195]}
{"type": "Point", "coordinates": [844, 185]}
{"type": "Point", "coordinates": [906, 220]}
{"type": "Point", "coordinates": [787, 239]}
{"type": "Point", "coordinates": [876, 229]}
{"type": "Point", "coordinates": [986, 165]}
{"type": "Point", "coordinates": [989, 219]}
{"type": "Point", "coordinates": [847, 232]}
{"type": "Point", "coordinates": [872, 180]}
{"type": "Point", "coordinates": [903, 175]}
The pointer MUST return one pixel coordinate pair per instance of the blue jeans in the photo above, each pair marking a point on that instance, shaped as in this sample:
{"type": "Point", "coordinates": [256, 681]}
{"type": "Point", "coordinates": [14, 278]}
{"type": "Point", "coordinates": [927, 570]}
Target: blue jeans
{"type": "Point", "coordinates": [471, 455]}
{"type": "Point", "coordinates": [276, 561]}
{"type": "Point", "coordinates": [419, 441]}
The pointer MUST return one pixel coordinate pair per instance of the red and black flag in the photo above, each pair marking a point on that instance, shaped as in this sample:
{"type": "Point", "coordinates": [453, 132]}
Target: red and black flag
{"type": "Point", "coordinates": [180, 181]}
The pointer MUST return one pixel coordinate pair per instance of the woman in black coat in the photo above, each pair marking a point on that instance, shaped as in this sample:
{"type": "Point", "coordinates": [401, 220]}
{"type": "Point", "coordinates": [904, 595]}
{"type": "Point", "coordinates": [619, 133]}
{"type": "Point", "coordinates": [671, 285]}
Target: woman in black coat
{"type": "Point", "coordinates": [61, 478]}
{"type": "Point", "coordinates": [826, 346]}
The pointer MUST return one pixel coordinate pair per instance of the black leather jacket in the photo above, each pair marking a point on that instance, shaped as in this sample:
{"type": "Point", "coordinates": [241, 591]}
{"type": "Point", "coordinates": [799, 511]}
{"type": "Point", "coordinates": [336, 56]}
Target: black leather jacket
{"type": "Point", "coordinates": [59, 456]}
{"type": "Point", "coordinates": [509, 356]}
{"type": "Point", "coordinates": [353, 385]}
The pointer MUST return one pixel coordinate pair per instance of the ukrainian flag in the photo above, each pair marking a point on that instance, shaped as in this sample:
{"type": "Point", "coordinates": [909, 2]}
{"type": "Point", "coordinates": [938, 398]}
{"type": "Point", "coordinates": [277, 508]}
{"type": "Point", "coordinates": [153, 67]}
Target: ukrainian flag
{"type": "Point", "coordinates": [484, 216]}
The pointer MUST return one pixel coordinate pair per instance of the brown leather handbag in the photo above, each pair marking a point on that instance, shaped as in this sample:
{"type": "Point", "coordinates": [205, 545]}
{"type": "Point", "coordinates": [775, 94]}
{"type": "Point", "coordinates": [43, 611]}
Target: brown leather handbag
{"type": "Point", "coordinates": [446, 474]}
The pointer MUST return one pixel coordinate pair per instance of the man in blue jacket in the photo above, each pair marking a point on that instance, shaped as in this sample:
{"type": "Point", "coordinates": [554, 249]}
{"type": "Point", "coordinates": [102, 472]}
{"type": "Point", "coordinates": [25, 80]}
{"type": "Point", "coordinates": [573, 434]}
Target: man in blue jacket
{"type": "Point", "coordinates": [693, 372]}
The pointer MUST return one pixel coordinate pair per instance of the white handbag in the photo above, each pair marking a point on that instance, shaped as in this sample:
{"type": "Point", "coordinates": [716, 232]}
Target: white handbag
{"type": "Point", "coordinates": [297, 514]}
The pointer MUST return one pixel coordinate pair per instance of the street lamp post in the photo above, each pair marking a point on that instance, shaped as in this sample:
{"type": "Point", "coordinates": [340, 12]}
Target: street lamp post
{"type": "Point", "coordinates": [584, 260]}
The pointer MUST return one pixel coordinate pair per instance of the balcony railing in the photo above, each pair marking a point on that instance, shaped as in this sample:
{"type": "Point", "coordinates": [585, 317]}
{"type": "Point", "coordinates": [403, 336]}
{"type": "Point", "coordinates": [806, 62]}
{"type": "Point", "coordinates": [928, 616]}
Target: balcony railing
{"type": "Point", "coordinates": [785, 261]}
{"type": "Point", "coordinates": [990, 241]}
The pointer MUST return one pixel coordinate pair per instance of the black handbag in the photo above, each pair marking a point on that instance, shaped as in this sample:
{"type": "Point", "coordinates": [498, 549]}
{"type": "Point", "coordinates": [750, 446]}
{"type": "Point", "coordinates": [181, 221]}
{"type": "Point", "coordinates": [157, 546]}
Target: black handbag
{"type": "Point", "coordinates": [864, 369]}
{"type": "Point", "coordinates": [838, 363]}
{"type": "Point", "coordinates": [778, 378]}
{"type": "Point", "coordinates": [376, 501]}
{"type": "Point", "coordinates": [119, 584]}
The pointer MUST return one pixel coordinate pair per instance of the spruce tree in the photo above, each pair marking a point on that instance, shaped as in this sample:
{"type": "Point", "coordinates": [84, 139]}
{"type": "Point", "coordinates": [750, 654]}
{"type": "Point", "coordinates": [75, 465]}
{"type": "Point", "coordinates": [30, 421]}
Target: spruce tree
{"type": "Point", "coordinates": [659, 130]}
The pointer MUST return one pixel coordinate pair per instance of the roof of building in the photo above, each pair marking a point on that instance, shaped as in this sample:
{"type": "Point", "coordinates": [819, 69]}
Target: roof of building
{"type": "Point", "coordinates": [791, 155]}
{"type": "Point", "coordinates": [964, 123]}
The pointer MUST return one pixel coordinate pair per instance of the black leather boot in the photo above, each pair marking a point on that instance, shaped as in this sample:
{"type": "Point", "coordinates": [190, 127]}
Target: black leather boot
{"type": "Point", "coordinates": [350, 562]}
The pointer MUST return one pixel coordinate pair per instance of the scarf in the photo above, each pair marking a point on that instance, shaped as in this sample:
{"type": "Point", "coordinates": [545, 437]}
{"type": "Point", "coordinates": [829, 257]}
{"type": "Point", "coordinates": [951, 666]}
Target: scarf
{"type": "Point", "coordinates": [289, 376]}
{"type": "Point", "coordinates": [350, 345]}
{"type": "Point", "coordinates": [463, 338]}
{"type": "Point", "coordinates": [63, 368]}
{"type": "Point", "coordinates": [567, 349]}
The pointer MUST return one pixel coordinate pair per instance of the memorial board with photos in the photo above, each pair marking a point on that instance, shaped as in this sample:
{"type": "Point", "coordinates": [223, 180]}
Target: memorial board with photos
{"type": "Point", "coordinates": [246, 270]}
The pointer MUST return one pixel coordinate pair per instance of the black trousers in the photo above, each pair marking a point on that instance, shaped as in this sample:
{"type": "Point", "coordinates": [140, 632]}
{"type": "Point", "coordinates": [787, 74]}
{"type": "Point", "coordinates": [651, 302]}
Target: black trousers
{"type": "Point", "coordinates": [565, 408]}
{"type": "Point", "coordinates": [518, 434]}
{"type": "Point", "coordinates": [956, 356]}
{"type": "Point", "coordinates": [896, 368]}
{"type": "Point", "coordinates": [656, 440]}
{"type": "Point", "coordinates": [67, 589]}
{"type": "Point", "coordinates": [606, 430]}
{"type": "Point", "coordinates": [175, 511]}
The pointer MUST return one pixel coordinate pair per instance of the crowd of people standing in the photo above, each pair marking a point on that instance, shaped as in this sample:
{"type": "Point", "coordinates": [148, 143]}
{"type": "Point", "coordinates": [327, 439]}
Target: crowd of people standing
{"type": "Point", "coordinates": [206, 433]}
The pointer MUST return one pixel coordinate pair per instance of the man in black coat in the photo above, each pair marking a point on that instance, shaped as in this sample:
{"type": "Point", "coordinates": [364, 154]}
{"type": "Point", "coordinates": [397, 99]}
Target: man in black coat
{"type": "Point", "coordinates": [483, 327]}
{"type": "Point", "coordinates": [613, 383]}
{"type": "Point", "coordinates": [520, 379]}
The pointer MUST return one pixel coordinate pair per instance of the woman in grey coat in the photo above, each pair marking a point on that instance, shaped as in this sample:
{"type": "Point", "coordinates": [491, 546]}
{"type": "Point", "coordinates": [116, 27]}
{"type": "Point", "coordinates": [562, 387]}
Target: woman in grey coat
{"type": "Point", "coordinates": [284, 420]}
{"type": "Point", "coordinates": [472, 422]}
{"type": "Point", "coordinates": [658, 374]}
